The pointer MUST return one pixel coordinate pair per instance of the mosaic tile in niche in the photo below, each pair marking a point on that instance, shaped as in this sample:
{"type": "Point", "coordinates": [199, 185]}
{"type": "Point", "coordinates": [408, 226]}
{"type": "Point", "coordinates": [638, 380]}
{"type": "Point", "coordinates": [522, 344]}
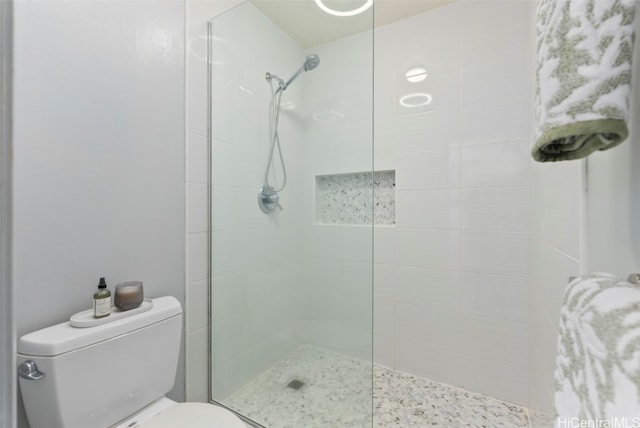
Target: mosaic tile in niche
{"type": "Point", "coordinates": [356, 198]}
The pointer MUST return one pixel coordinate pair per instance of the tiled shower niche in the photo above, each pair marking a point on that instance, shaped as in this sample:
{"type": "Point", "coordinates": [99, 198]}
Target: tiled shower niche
{"type": "Point", "coordinates": [354, 198]}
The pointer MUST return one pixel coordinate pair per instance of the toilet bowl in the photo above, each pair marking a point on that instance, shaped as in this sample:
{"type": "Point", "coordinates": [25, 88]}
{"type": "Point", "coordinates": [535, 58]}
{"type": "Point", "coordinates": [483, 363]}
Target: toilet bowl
{"type": "Point", "coordinates": [165, 413]}
{"type": "Point", "coordinates": [112, 375]}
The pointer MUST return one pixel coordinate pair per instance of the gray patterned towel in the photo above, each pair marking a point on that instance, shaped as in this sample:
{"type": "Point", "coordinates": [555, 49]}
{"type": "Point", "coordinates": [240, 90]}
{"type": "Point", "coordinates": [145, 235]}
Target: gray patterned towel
{"type": "Point", "coordinates": [597, 375]}
{"type": "Point", "coordinates": [583, 74]}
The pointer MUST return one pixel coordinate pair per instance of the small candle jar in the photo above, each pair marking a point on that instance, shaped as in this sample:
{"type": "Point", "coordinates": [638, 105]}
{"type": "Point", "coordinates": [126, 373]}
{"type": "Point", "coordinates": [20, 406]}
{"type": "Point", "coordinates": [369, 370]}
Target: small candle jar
{"type": "Point", "coordinates": [128, 295]}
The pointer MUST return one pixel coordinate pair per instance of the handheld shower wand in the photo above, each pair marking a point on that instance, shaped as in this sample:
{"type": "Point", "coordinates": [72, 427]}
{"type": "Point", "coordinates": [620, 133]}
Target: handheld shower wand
{"type": "Point", "coordinates": [268, 198]}
{"type": "Point", "coordinates": [310, 63]}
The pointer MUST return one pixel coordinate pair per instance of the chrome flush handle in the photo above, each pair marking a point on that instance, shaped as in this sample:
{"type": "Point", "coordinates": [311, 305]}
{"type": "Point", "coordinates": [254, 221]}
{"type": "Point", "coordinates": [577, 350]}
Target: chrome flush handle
{"type": "Point", "coordinates": [28, 370]}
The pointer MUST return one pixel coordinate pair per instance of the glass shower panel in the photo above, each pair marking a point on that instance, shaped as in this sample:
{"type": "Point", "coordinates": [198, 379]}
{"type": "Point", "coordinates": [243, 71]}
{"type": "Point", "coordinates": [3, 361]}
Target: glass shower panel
{"type": "Point", "coordinates": [292, 214]}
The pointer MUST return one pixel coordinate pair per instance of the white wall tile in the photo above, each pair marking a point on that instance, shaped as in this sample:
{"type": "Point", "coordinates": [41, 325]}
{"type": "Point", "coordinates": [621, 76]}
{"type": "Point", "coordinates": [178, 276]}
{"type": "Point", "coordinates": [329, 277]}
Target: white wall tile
{"type": "Point", "coordinates": [550, 274]}
{"type": "Point", "coordinates": [197, 304]}
{"type": "Point", "coordinates": [441, 87]}
{"type": "Point", "coordinates": [230, 338]}
{"type": "Point", "coordinates": [435, 209]}
{"type": "Point", "coordinates": [503, 253]}
{"type": "Point", "coordinates": [542, 362]}
{"type": "Point", "coordinates": [485, 377]}
{"type": "Point", "coordinates": [197, 357]}
{"type": "Point", "coordinates": [499, 341]}
{"type": "Point", "coordinates": [557, 173]}
{"type": "Point", "coordinates": [197, 54]}
{"type": "Point", "coordinates": [198, 255]}
{"type": "Point", "coordinates": [495, 296]}
{"type": "Point", "coordinates": [383, 350]}
{"type": "Point", "coordinates": [357, 280]}
{"type": "Point", "coordinates": [431, 363]}
{"type": "Point", "coordinates": [198, 110]}
{"type": "Point", "coordinates": [495, 121]}
{"type": "Point", "coordinates": [427, 287]}
{"type": "Point", "coordinates": [555, 222]}
{"type": "Point", "coordinates": [384, 244]}
{"type": "Point", "coordinates": [430, 326]}
{"type": "Point", "coordinates": [223, 218]}
{"type": "Point", "coordinates": [197, 201]}
{"type": "Point", "coordinates": [428, 170]}
{"type": "Point", "coordinates": [324, 241]}
{"type": "Point", "coordinates": [234, 123]}
{"type": "Point", "coordinates": [384, 320]}
{"type": "Point", "coordinates": [503, 209]}
{"type": "Point", "coordinates": [197, 390]}
{"type": "Point", "coordinates": [497, 29]}
{"type": "Point", "coordinates": [557, 265]}
{"type": "Point", "coordinates": [427, 247]}
{"type": "Point", "coordinates": [197, 159]}
{"type": "Point", "coordinates": [495, 380]}
{"type": "Point", "coordinates": [385, 281]}
{"type": "Point", "coordinates": [245, 212]}
{"type": "Point", "coordinates": [237, 166]}
{"type": "Point", "coordinates": [495, 165]}
{"type": "Point", "coordinates": [501, 74]}
{"type": "Point", "coordinates": [417, 132]}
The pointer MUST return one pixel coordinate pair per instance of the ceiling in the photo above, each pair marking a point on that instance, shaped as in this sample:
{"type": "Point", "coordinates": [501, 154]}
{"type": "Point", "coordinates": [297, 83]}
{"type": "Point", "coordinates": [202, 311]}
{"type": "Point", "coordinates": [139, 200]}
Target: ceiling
{"type": "Point", "coordinates": [310, 26]}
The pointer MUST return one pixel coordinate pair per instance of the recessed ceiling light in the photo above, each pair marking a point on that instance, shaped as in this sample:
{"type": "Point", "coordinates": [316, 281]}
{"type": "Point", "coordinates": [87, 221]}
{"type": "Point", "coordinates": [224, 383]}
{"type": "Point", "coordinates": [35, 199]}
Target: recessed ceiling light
{"type": "Point", "coordinates": [416, 99]}
{"type": "Point", "coordinates": [353, 12]}
{"type": "Point", "coordinates": [416, 75]}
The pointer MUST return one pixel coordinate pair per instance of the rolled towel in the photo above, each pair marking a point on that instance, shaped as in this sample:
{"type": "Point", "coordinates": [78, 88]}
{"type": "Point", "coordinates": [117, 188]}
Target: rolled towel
{"type": "Point", "coordinates": [597, 374]}
{"type": "Point", "coordinates": [583, 76]}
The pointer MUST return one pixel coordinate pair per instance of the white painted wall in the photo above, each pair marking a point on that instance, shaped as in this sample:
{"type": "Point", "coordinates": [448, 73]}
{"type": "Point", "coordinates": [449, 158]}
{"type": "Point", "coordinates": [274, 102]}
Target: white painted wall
{"type": "Point", "coordinates": [8, 387]}
{"type": "Point", "coordinates": [99, 154]}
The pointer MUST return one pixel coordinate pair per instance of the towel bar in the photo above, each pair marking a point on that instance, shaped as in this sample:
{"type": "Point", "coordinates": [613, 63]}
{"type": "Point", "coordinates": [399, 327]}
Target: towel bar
{"type": "Point", "coordinates": [633, 278]}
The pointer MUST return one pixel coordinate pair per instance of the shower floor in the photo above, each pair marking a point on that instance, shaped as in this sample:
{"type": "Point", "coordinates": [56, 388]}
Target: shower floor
{"type": "Point", "coordinates": [337, 393]}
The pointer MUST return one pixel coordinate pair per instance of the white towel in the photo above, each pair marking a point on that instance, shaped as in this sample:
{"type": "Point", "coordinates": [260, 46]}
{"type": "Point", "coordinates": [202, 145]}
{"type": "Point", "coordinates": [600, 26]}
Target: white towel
{"type": "Point", "coordinates": [597, 375]}
{"type": "Point", "coordinates": [584, 64]}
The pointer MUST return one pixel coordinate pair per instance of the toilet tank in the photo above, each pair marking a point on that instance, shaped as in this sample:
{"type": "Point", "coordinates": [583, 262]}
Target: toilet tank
{"type": "Point", "coordinates": [97, 376]}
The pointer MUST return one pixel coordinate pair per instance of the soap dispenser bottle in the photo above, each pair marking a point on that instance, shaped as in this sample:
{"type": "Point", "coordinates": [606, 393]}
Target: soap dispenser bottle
{"type": "Point", "coordinates": [101, 300]}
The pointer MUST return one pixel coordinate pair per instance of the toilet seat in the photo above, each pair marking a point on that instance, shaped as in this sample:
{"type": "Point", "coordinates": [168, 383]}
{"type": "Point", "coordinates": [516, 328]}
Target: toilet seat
{"type": "Point", "coordinates": [194, 415]}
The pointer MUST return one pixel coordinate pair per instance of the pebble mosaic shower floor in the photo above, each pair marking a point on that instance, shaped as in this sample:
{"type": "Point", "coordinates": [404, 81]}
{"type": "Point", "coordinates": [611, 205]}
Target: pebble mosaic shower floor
{"type": "Point", "coordinates": [337, 393]}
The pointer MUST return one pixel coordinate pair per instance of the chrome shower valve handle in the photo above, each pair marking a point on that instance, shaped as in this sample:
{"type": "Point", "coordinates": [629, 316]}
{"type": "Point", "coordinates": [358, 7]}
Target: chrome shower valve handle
{"type": "Point", "coordinates": [268, 199]}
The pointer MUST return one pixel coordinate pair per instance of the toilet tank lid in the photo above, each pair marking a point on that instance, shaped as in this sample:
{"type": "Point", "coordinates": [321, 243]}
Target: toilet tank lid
{"type": "Point", "coordinates": [62, 338]}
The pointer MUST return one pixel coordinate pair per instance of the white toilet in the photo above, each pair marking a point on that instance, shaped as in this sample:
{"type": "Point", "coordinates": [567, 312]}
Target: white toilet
{"type": "Point", "coordinates": [111, 375]}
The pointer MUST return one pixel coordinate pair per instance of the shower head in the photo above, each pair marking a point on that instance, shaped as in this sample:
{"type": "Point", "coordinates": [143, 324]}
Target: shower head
{"type": "Point", "coordinates": [310, 63]}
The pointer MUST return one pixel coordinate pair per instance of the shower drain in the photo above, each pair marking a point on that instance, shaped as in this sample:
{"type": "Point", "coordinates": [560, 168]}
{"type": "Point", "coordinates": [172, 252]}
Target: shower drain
{"type": "Point", "coordinates": [295, 384]}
